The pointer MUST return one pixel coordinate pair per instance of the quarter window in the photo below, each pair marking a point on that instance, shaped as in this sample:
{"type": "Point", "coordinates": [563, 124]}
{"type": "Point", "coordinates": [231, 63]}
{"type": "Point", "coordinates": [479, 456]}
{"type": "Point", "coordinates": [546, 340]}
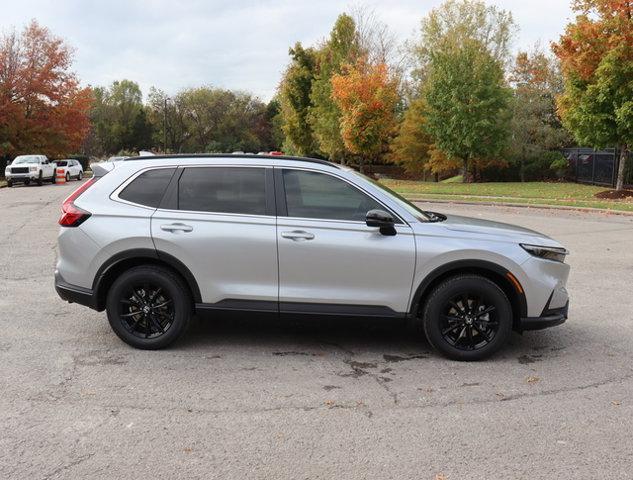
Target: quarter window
{"type": "Point", "coordinates": [317, 195]}
{"type": "Point", "coordinates": [238, 190]}
{"type": "Point", "coordinates": [148, 188]}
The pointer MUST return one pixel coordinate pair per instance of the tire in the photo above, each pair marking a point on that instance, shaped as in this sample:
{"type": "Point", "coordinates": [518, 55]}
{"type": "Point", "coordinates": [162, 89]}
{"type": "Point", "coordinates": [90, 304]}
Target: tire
{"type": "Point", "coordinates": [467, 317]}
{"type": "Point", "coordinates": [27, 182]}
{"type": "Point", "coordinates": [80, 175]}
{"type": "Point", "coordinates": [132, 294]}
{"type": "Point", "coordinates": [53, 179]}
{"type": "Point", "coordinates": [40, 180]}
{"type": "Point", "coordinates": [67, 177]}
{"type": "Point", "coordinates": [9, 183]}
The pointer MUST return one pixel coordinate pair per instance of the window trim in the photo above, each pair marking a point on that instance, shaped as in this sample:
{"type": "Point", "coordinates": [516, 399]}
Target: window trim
{"type": "Point", "coordinates": [170, 199]}
{"type": "Point", "coordinates": [282, 207]}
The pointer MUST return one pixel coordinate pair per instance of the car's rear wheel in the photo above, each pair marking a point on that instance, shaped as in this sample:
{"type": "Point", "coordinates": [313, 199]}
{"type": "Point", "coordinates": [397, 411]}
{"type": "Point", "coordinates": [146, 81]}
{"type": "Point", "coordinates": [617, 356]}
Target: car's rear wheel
{"type": "Point", "coordinates": [149, 307]}
{"type": "Point", "coordinates": [467, 317]}
{"type": "Point", "coordinates": [67, 177]}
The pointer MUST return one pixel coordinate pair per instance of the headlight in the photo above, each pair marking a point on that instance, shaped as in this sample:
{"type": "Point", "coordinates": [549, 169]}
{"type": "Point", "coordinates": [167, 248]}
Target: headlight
{"type": "Point", "coordinates": [33, 168]}
{"type": "Point", "coordinates": [556, 254]}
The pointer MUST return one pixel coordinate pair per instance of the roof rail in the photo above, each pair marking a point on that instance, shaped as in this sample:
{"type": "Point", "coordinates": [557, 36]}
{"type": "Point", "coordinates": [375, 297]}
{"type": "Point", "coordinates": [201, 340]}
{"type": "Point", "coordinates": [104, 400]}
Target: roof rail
{"type": "Point", "coordinates": [233, 155]}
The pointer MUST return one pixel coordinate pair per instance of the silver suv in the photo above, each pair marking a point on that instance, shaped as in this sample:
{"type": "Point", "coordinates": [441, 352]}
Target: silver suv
{"type": "Point", "coordinates": [158, 239]}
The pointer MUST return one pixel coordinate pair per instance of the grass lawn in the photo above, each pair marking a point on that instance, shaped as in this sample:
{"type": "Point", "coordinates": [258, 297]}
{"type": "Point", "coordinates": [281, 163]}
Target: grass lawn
{"type": "Point", "coordinates": [565, 194]}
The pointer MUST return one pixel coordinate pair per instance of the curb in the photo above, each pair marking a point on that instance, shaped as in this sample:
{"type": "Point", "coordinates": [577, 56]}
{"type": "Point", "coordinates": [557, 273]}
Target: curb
{"type": "Point", "coordinates": [526, 205]}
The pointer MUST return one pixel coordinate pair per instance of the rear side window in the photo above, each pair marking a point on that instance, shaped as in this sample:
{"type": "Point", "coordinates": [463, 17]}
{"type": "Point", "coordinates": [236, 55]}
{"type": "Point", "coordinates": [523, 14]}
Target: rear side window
{"type": "Point", "coordinates": [148, 188]}
{"type": "Point", "coordinates": [240, 190]}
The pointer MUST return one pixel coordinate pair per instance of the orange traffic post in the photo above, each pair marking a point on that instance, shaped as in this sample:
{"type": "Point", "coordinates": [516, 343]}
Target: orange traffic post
{"type": "Point", "coordinates": [60, 175]}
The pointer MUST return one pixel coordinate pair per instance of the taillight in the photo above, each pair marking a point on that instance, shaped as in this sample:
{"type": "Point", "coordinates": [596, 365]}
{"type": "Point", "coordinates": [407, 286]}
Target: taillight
{"type": "Point", "coordinates": [72, 215]}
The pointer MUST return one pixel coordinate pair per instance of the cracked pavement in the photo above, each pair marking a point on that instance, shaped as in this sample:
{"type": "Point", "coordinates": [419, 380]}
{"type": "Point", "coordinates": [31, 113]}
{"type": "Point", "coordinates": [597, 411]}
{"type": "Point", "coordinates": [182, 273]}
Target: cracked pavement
{"type": "Point", "coordinates": [244, 398]}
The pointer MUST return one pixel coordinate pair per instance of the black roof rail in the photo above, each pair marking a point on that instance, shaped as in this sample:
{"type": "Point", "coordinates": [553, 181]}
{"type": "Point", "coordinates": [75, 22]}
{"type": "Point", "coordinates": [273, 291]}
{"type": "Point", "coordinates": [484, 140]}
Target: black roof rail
{"type": "Point", "coordinates": [236, 155]}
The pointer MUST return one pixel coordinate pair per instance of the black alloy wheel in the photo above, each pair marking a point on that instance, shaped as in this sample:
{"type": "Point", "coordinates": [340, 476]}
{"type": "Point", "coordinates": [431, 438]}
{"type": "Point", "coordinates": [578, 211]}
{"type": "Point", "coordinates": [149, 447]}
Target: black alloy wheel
{"type": "Point", "coordinates": [469, 322]}
{"type": "Point", "coordinates": [149, 307]}
{"type": "Point", "coordinates": [146, 310]}
{"type": "Point", "coordinates": [467, 317]}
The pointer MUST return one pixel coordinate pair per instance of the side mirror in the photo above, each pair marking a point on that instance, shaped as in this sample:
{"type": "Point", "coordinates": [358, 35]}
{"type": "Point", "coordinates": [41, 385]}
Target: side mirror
{"type": "Point", "coordinates": [381, 219]}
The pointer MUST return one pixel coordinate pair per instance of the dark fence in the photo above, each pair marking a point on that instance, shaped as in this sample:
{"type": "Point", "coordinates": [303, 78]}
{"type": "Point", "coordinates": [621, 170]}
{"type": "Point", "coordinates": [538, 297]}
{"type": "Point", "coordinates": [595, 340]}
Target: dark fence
{"type": "Point", "coordinates": [598, 167]}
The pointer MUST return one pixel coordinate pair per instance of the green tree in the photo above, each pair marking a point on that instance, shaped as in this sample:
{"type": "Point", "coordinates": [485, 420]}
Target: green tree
{"type": "Point", "coordinates": [535, 128]}
{"type": "Point", "coordinates": [324, 116]}
{"type": "Point", "coordinates": [461, 55]}
{"type": "Point", "coordinates": [457, 20]}
{"type": "Point", "coordinates": [294, 96]}
{"type": "Point", "coordinates": [119, 119]}
{"type": "Point", "coordinates": [596, 53]}
{"type": "Point", "coordinates": [467, 104]}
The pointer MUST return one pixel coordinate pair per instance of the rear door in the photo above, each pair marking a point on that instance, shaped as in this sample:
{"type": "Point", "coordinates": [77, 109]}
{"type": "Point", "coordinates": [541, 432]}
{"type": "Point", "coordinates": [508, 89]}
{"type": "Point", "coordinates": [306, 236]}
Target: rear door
{"type": "Point", "coordinates": [330, 261]}
{"type": "Point", "coordinates": [220, 222]}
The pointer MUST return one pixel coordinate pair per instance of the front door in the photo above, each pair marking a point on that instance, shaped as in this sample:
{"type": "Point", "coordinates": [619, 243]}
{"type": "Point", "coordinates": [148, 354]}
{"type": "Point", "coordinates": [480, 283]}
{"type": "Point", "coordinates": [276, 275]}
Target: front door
{"type": "Point", "coordinates": [330, 261]}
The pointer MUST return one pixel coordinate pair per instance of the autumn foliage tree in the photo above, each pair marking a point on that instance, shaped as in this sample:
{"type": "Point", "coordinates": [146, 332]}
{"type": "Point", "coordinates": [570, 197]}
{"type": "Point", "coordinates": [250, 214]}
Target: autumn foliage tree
{"type": "Point", "coordinates": [596, 54]}
{"type": "Point", "coordinates": [42, 107]}
{"type": "Point", "coordinates": [366, 95]}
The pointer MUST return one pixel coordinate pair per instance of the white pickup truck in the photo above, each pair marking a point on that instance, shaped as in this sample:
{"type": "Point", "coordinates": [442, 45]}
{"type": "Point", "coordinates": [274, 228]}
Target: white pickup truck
{"type": "Point", "coordinates": [30, 168]}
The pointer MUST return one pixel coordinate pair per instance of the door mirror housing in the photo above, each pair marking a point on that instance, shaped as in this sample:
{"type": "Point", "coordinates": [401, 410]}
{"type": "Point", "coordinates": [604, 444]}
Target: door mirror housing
{"type": "Point", "coordinates": [381, 219]}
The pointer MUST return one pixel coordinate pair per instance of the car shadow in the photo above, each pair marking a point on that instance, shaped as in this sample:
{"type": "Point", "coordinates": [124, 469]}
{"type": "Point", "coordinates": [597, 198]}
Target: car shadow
{"type": "Point", "coordinates": [307, 335]}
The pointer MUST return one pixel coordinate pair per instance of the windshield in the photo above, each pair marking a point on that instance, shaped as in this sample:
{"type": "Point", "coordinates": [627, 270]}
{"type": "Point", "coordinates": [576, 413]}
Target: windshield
{"type": "Point", "coordinates": [403, 202]}
{"type": "Point", "coordinates": [61, 163]}
{"type": "Point", "coordinates": [25, 159]}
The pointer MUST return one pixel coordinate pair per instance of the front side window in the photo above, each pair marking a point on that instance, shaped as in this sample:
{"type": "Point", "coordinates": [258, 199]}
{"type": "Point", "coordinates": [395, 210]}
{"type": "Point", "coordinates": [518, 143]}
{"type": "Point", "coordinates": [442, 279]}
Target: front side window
{"type": "Point", "coordinates": [233, 190]}
{"type": "Point", "coordinates": [317, 195]}
{"type": "Point", "coordinates": [148, 188]}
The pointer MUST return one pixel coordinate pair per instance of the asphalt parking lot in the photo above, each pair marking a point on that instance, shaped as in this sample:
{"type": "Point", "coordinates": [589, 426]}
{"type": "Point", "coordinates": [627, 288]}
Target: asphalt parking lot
{"type": "Point", "coordinates": [245, 399]}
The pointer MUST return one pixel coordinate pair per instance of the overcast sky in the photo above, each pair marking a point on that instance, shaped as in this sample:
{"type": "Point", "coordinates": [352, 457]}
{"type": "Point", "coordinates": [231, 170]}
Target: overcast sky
{"type": "Point", "coordinates": [238, 44]}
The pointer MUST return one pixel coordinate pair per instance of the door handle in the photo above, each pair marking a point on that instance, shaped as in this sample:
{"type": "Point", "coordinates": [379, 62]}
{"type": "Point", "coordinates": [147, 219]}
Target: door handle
{"type": "Point", "coordinates": [176, 227]}
{"type": "Point", "coordinates": [298, 235]}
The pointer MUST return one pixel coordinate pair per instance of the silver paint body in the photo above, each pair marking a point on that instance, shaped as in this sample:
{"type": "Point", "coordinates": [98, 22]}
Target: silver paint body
{"type": "Point", "coordinates": [254, 257]}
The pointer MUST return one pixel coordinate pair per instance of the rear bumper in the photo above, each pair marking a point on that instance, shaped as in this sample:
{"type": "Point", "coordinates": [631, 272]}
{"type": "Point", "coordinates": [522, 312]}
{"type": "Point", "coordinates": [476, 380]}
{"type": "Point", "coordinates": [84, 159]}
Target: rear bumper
{"type": "Point", "coordinates": [549, 318]}
{"type": "Point", "coordinates": [73, 293]}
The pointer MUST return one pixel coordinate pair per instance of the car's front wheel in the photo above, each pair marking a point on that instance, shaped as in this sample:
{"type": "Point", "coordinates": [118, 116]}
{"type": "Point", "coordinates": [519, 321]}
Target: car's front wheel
{"type": "Point", "coordinates": [40, 179]}
{"type": "Point", "coordinates": [149, 307]}
{"type": "Point", "coordinates": [80, 175]}
{"type": "Point", "coordinates": [9, 183]}
{"type": "Point", "coordinates": [467, 317]}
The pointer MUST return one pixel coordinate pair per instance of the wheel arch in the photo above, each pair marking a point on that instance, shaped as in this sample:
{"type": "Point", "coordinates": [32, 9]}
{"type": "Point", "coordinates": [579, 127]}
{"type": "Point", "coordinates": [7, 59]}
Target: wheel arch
{"type": "Point", "coordinates": [494, 272]}
{"type": "Point", "coordinates": [122, 261]}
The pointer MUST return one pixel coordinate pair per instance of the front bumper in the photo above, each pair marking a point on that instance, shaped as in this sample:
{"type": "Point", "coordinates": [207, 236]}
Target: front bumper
{"type": "Point", "coordinates": [549, 318]}
{"type": "Point", "coordinates": [73, 293]}
{"type": "Point", "coordinates": [21, 177]}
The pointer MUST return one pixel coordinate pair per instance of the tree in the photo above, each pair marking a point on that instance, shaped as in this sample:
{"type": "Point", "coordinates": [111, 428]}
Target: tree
{"type": "Point", "coordinates": [413, 146]}
{"type": "Point", "coordinates": [467, 104]}
{"type": "Point", "coordinates": [367, 97]}
{"type": "Point", "coordinates": [461, 54]}
{"type": "Point", "coordinates": [324, 116]}
{"type": "Point", "coordinates": [535, 128]}
{"type": "Point", "coordinates": [596, 54]}
{"type": "Point", "coordinates": [457, 20]}
{"type": "Point", "coordinates": [119, 119]}
{"type": "Point", "coordinates": [42, 107]}
{"type": "Point", "coordinates": [294, 96]}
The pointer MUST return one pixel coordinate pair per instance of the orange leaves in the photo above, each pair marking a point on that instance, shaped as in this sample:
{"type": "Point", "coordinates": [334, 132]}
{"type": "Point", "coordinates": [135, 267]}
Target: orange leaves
{"type": "Point", "coordinates": [600, 26]}
{"type": "Point", "coordinates": [43, 110]}
{"type": "Point", "coordinates": [366, 95]}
